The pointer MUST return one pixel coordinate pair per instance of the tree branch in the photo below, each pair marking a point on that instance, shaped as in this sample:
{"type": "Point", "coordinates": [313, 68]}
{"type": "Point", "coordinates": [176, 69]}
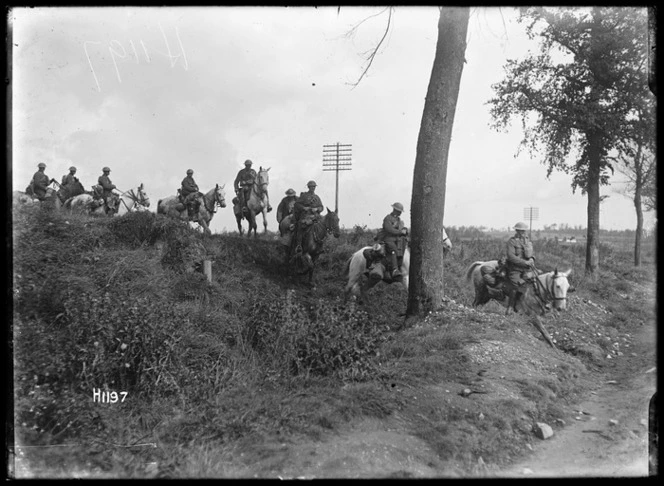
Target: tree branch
{"type": "Point", "coordinates": [373, 53]}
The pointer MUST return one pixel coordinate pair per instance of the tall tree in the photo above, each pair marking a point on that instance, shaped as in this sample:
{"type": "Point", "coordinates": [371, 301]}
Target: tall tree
{"type": "Point", "coordinates": [573, 97]}
{"type": "Point", "coordinates": [425, 291]}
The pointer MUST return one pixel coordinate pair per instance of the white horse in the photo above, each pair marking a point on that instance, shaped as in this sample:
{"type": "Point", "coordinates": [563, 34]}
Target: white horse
{"type": "Point", "coordinates": [86, 204]}
{"type": "Point", "coordinates": [356, 267]}
{"type": "Point", "coordinates": [215, 196]}
{"type": "Point", "coordinates": [133, 200]}
{"type": "Point", "coordinates": [550, 287]}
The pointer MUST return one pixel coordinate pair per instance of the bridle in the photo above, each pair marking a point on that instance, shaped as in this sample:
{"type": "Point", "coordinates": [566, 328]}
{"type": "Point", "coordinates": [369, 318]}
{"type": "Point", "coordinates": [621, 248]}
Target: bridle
{"type": "Point", "coordinates": [218, 199]}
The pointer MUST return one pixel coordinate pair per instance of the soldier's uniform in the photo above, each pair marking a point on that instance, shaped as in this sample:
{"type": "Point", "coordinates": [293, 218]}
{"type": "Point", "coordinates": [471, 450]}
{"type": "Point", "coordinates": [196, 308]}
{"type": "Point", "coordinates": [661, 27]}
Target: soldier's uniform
{"type": "Point", "coordinates": [519, 255]}
{"type": "Point", "coordinates": [243, 182]}
{"type": "Point", "coordinates": [286, 207]}
{"type": "Point", "coordinates": [40, 182]}
{"type": "Point", "coordinates": [190, 194]}
{"type": "Point", "coordinates": [306, 210]}
{"type": "Point", "coordinates": [392, 234]}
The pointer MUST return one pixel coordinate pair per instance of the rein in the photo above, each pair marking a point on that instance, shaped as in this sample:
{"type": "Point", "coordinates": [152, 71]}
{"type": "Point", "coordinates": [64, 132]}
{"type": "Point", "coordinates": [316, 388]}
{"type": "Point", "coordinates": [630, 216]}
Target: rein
{"type": "Point", "coordinates": [215, 201]}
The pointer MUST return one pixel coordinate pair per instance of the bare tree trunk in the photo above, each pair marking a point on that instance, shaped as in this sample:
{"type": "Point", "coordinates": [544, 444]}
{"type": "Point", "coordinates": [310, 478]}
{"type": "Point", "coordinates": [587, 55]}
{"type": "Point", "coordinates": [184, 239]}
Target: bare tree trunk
{"type": "Point", "coordinates": [639, 226]}
{"type": "Point", "coordinates": [426, 288]}
{"type": "Point", "coordinates": [592, 247]}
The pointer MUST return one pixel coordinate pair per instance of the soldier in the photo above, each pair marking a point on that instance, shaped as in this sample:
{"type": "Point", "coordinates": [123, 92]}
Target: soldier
{"type": "Point", "coordinates": [40, 182]}
{"type": "Point", "coordinates": [189, 194]}
{"type": "Point", "coordinates": [391, 235]}
{"type": "Point", "coordinates": [286, 206]}
{"type": "Point", "coordinates": [519, 255]}
{"type": "Point", "coordinates": [70, 178]}
{"type": "Point", "coordinates": [243, 182]}
{"type": "Point", "coordinates": [306, 210]}
{"type": "Point", "coordinates": [106, 185]}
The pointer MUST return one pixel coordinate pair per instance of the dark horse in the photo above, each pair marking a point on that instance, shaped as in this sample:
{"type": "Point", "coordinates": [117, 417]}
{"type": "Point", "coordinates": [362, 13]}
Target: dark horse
{"type": "Point", "coordinates": [313, 237]}
{"type": "Point", "coordinates": [72, 190]}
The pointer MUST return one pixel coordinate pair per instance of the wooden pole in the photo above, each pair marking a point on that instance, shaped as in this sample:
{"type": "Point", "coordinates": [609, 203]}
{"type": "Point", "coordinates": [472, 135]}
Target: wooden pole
{"type": "Point", "coordinates": [207, 269]}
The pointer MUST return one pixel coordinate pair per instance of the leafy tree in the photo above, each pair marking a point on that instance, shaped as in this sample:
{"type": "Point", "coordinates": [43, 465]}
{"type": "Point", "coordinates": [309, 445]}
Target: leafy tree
{"type": "Point", "coordinates": [574, 97]}
{"type": "Point", "coordinates": [425, 291]}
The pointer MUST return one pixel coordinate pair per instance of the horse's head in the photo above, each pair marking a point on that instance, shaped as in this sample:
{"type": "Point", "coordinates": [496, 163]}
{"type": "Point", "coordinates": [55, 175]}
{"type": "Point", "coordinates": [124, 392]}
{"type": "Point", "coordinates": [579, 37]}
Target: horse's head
{"type": "Point", "coordinates": [220, 195]}
{"type": "Point", "coordinates": [143, 199]}
{"type": "Point", "coordinates": [332, 223]}
{"type": "Point", "coordinates": [263, 178]}
{"type": "Point", "coordinates": [558, 286]}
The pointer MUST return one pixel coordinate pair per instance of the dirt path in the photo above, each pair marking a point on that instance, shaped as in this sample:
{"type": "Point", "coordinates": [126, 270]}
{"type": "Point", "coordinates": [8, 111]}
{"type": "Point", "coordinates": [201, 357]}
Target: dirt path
{"type": "Point", "coordinates": [609, 434]}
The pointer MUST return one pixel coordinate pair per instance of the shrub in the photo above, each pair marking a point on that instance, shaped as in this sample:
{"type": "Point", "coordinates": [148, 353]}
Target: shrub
{"type": "Point", "coordinates": [324, 339]}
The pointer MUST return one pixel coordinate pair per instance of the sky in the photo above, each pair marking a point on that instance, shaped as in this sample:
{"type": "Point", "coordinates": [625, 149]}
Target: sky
{"type": "Point", "coordinates": [151, 92]}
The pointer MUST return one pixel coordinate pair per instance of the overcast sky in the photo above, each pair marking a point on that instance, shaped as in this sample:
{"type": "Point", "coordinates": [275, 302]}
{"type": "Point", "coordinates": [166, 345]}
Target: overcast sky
{"type": "Point", "coordinates": [152, 92]}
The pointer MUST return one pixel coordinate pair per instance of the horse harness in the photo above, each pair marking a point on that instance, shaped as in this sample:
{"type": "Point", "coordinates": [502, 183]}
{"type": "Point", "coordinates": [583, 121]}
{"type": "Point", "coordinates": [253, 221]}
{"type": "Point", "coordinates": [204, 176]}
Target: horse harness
{"type": "Point", "coordinates": [545, 294]}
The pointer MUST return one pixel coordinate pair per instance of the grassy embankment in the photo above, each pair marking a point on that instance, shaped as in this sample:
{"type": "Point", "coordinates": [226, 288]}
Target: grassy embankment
{"type": "Point", "coordinates": [218, 373]}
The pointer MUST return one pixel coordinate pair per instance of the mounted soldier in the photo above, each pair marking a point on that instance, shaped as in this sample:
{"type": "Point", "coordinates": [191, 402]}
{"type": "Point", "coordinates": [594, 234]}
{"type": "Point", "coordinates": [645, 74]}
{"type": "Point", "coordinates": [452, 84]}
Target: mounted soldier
{"type": "Point", "coordinates": [69, 179]}
{"type": "Point", "coordinates": [39, 183]}
{"type": "Point", "coordinates": [306, 211]}
{"type": "Point", "coordinates": [244, 180]}
{"type": "Point", "coordinates": [394, 235]}
{"type": "Point", "coordinates": [519, 255]}
{"type": "Point", "coordinates": [104, 189]}
{"type": "Point", "coordinates": [189, 194]}
{"type": "Point", "coordinates": [286, 207]}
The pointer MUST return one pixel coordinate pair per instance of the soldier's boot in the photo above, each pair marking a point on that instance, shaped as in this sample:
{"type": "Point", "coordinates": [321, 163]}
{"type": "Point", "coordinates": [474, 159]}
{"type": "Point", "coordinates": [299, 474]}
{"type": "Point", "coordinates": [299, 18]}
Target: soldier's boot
{"type": "Point", "coordinates": [394, 266]}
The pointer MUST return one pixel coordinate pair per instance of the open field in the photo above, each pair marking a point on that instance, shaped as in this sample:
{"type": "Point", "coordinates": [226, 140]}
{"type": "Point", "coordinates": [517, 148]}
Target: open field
{"type": "Point", "coordinates": [255, 375]}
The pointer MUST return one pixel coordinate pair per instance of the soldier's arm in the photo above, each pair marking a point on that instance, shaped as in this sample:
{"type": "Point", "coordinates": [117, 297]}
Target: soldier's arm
{"type": "Point", "coordinates": [389, 228]}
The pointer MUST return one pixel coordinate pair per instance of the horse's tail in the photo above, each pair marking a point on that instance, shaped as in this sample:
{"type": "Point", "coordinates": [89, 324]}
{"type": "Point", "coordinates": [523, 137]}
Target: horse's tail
{"type": "Point", "coordinates": [469, 273]}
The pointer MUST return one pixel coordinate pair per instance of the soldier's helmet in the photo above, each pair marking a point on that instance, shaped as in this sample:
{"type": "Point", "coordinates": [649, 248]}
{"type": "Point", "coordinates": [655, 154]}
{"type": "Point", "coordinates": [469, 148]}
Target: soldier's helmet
{"type": "Point", "coordinates": [41, 165]}
{"type": "Point", "coordinates": [398, 206]}
{"type": "Point", "coordinates": [106, 169]}
{"type": "Point", "coordinates": [248, 163]}
{"type": "Point", "coordinates": [290, 192]}
{"type": "Point", "coordinates": [521, 226]}
{"type": "Point", "coordinates": [311, 184]}
{"type": "Point", "coordinates": [72, 169]}
{"type": "Point", "coordinates": [189, 171]}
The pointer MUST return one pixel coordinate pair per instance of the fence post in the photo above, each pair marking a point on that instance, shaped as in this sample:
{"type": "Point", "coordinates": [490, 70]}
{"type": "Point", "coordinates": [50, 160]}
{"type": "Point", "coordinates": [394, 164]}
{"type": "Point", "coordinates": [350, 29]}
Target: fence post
{"type": "Point", "coordinates": [207, 269]}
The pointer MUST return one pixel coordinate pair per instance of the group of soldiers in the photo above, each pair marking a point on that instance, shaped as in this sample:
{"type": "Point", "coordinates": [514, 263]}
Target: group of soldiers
{"type": "Point", "coordinates": [40, 181]}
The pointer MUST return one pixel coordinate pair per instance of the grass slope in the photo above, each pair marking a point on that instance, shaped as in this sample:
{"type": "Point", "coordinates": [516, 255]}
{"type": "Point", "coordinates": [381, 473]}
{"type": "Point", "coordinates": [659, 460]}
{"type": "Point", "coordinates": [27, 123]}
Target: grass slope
{"type": "Point", "coordinates": [221, 378]}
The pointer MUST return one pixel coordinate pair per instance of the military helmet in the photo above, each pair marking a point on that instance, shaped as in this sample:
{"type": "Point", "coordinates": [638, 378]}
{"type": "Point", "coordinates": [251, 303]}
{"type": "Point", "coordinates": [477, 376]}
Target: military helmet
{"type": "Point", "coordinates": [106, 169]}
{"type": "Point", "coordinates": [41, 165]}
{"type": "Point", "coordinates": [72, 168]}
{"type": "Point", "coordinates": [248, 162]}
{"type": "Point", "coordinates": [520, 226]}
{"type": "Point", "coordinates": [311, 184]}
{"type": "Point", "coordinates": [189, 171]}
{"type": "Point", "coordinates": [398, 206]}
{"type": "Point", "coordinates": [290, 192]}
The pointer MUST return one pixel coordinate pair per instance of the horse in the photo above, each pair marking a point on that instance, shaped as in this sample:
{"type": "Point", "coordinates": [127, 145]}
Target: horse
{"type": "Point", "coordinates": [87, 204]}
{"type": "Point", "coordinates": [258, 202]}
{"type": "Point", "coordinates": [216, 195]}
{"type": "Point", "coordinates": [550, 287]}
{"type": "Point", "coordinates": [133, 200]}
{"type": "Point", "coordinates": [71, 190]}
{"type": "Point", "coordinates": [29, 197]}
{"type": "Point", "coordinates": [356, 267]}
{"type": "Point", "coordinates": [313, 238]}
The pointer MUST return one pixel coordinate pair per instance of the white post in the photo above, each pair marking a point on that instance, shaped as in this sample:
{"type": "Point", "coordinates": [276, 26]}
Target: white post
{"type": "Point", "coordinates": [207, 269]}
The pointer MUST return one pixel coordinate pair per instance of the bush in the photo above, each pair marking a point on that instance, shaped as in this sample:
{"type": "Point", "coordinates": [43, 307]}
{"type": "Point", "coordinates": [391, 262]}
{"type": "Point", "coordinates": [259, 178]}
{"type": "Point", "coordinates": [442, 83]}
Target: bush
{"type": "Point", "coordinates": [324, 339]}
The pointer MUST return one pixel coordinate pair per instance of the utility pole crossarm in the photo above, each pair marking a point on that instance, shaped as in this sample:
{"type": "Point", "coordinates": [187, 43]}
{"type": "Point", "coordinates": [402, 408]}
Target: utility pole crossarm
{"type": "Point", "coordinates": [337, 157]}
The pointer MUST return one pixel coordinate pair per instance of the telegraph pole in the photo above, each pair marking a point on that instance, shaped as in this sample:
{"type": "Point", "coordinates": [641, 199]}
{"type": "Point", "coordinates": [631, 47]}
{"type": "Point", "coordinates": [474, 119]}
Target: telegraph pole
{"type": "Point", "coordinates": [530, 214]}
{"type": "Point", "coordinates": [337, 157]}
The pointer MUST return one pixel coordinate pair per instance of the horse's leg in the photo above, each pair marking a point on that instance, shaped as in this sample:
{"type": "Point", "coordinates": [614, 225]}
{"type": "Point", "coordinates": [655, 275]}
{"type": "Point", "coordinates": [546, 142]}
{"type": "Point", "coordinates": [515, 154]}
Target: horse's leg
{"type": "Point", "coordinates": [264, 221]}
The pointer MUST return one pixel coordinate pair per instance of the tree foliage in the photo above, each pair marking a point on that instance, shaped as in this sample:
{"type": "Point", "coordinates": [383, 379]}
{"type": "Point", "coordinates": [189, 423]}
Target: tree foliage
{"type": "Point", "coordinates": [578, 95]}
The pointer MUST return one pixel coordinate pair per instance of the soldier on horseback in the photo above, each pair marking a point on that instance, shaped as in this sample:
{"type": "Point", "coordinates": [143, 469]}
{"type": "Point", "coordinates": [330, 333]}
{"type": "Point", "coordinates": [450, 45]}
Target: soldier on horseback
{"type": "Point", "coordinates": [394, 235]}
{"type": "Point", "coordinates": [306, 211]}
{"type": "Point", "coordinates": [39, 183]}
{"type": "Point", "coordinates": [521, 263]}
{"type": "Point", "coordinates": [243, 183]}
{"type": "Point", "coordinates": [104, 188]}
{"type": "Point", "coordinates": [285, 207]}
{"type": "Point", "coordinates": [190, 195]}
{"type": "Point", "coordinates": [69, 179]}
